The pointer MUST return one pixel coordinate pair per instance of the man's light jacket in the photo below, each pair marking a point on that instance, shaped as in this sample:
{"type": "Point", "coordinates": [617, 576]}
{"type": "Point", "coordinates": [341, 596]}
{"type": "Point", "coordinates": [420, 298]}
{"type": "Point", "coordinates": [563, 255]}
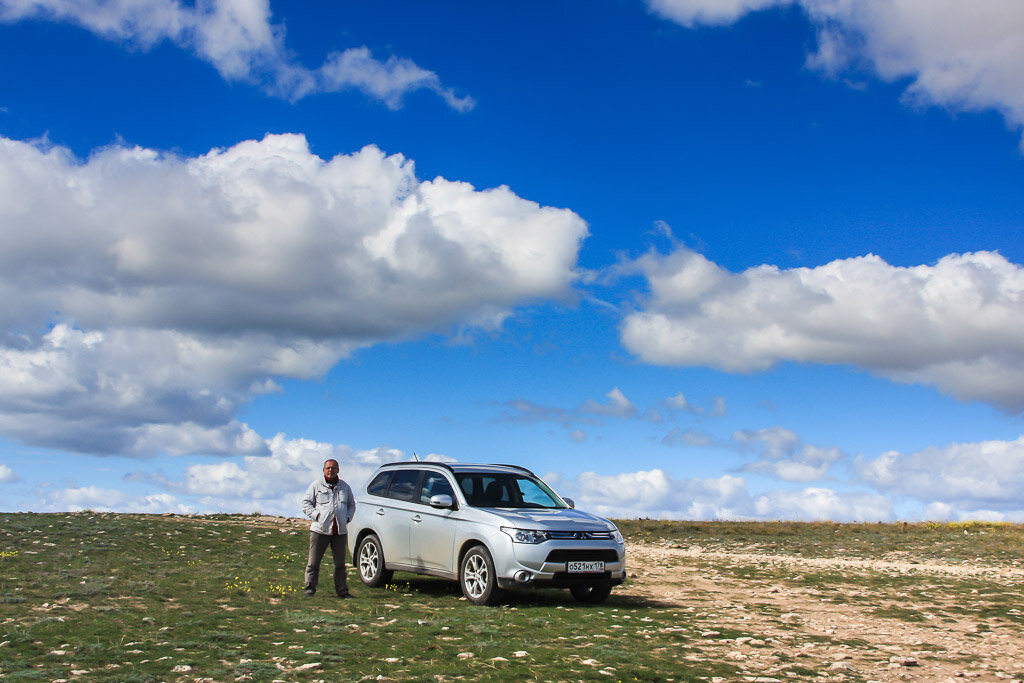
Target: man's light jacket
{"type": "Point", "coordinates": [324, 503]}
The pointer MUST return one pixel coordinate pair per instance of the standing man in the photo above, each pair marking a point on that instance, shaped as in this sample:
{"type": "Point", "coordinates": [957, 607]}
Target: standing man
{"type": "Point", "coordinates": [329, 503]}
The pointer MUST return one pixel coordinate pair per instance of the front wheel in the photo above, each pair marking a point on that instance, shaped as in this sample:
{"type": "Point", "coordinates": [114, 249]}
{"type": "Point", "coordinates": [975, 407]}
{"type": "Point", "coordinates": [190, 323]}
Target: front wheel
{"type": "Point", "coordinates": [593, 593]}
{"type": "Point", "coordinates": [478, 579]}
{"type": "Point", "coordinates": [370, 562]}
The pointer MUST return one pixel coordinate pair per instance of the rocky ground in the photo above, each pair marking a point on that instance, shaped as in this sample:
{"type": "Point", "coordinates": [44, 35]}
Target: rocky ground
{"type": "Point", "coordinates": [840, 618]}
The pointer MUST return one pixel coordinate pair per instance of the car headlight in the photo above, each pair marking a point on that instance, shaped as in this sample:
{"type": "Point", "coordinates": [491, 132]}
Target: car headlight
{"type": "Point", "coordinates": [617, 535]}
{"type": "Point", "coordinates": [525, 535]}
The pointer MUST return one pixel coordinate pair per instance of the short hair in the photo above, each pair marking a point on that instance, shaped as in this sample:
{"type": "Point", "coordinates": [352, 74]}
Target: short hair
{"type": "Point", "coordinates": [332, 460]}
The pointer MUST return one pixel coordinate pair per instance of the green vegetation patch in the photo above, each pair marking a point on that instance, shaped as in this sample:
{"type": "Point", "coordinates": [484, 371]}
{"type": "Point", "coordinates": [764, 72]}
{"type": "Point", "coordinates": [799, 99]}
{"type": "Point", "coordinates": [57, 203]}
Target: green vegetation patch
{"type": "Point", "coordinates": [144, 597]}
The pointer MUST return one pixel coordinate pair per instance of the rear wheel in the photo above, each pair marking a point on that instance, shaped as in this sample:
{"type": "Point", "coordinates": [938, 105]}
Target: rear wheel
{"type": "Point", "coordinates": [477, 577]}
{"type": "Point", "coordinates": [370, 562]}
{"type": "Point", "coordinates": [592, 593]}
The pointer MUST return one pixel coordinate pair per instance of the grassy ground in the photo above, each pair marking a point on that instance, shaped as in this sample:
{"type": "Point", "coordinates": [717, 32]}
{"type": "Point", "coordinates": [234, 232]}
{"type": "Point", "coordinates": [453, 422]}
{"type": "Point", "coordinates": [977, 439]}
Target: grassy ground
{"type": "Point", "coordinates": [144, 598]}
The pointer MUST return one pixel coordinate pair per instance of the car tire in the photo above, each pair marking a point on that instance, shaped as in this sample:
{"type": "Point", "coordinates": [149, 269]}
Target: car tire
{"type": "Point", "coordinates": [593, 593]}
{"type": "Point", "coordinates": [370, 562]}
{"type": "Point", "coordinates": [477, 577]}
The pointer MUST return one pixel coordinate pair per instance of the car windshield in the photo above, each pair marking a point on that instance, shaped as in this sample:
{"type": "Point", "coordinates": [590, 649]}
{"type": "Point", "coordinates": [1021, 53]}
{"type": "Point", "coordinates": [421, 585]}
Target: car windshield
{"type": "Point", "coordinates": [488, 490]}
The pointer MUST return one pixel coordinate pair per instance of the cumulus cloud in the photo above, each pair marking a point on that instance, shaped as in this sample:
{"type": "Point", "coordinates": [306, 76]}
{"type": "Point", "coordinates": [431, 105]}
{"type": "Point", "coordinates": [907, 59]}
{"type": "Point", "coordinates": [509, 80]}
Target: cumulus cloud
{"type": "Point", "coordinates": [150, 296]}
{"type": "Point", "coordinates": [272, 483]}
{"type": "Point", "coordinates": [957, 325]}
{"type": "Point", "coordinates": [785, 456]}
{"type": "Point", "coordinates": [817, 504]}
{"type": "Point", "coordinates": [957, 480]}
{"type": "Point", "coordinates": [954, 54]}
{"type": "Point", "coordinates": [7, 475]}
{"type": "Point", "coordinates": [238, 38]}
{"type": "Point", "coordinates": [100, 499]}
{"type": "Point", "coordinates": [692, 13]}
{"type": "Point", "coordinates": [657, 494]}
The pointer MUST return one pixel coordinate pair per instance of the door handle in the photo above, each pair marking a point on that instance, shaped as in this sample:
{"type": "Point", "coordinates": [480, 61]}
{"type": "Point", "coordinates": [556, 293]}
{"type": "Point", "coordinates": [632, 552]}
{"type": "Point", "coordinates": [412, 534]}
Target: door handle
{"type": "Point", "coordinates": [380, 511]}
{"type": "Point", "coordinates": [417, 518]}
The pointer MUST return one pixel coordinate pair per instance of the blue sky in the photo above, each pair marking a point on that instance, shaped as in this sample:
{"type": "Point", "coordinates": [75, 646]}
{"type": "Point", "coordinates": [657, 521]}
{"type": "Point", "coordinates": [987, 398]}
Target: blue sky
{"type": "Point", "coordinates": [704, 259]}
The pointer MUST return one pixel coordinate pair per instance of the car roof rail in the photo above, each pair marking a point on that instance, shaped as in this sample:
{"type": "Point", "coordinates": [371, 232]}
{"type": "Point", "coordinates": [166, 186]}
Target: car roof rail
{"type": "Point", "coordinates": [515, 467]}
{"type": "Point", "coordinates": [419, 462]}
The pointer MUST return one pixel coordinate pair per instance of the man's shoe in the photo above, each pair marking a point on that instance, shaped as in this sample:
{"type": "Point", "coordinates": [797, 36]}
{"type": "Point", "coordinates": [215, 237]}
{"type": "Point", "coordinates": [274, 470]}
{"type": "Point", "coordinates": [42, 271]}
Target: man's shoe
{"type": "Point", "coordinates": [345, 595]}
{"type": "Point", "coordinates": [309, 592]}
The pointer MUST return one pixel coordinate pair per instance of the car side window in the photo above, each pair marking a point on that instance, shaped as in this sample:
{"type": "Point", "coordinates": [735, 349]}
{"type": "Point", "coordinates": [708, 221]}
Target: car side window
{"type": "Point", "coordinates": [379, 485]}
{"type": "Point", "coordinates": [405, 484]}
{"type": "Point", "coordinates": [435, 483]}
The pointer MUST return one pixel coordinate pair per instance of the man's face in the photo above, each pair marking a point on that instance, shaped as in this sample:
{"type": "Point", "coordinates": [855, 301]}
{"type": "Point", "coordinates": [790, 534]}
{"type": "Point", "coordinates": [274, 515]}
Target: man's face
{"type": "Point", "coordinates": [331, 470]}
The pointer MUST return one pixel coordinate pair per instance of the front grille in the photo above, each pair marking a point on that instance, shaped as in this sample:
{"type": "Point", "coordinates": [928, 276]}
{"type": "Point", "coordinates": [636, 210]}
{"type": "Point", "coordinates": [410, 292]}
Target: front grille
{"type": "Point", "coordinates": [580, 535]}
{"type": "Point", "coordinates": [584, 555]}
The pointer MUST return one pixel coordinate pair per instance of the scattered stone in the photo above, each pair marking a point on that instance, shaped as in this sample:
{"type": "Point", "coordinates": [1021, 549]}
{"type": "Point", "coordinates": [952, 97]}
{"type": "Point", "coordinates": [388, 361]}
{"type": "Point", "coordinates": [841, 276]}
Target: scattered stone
{"type": "Point", "coordinates": [903, 661]}
{"type": "Point", "coordinates": [181, 668]}
{"type": "Point", "coordinates": [309, 667]}
{"type": "Point", "coordinates": [520, 653]}
{"type": "Point", "coordinates": [465, 655]}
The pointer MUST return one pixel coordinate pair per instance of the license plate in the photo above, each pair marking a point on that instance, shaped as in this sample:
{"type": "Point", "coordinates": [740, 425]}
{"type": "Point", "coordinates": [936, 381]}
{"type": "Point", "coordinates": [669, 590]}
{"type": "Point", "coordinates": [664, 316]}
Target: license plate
{"type": "Point", "coordinates": [584, 567]}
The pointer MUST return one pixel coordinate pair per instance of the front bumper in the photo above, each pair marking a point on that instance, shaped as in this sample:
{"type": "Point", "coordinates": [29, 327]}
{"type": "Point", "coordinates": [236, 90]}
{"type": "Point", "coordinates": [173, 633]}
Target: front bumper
{"type": "Point", "coordinates": [546, 564]}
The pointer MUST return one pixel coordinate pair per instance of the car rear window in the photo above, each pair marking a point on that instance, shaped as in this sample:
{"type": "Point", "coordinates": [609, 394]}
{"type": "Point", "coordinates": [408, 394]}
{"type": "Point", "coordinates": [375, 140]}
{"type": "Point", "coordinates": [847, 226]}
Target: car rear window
{"type": "Point", "coordinates": [405, 484]}
{"type": "Point", "coordinates": [379, 485]}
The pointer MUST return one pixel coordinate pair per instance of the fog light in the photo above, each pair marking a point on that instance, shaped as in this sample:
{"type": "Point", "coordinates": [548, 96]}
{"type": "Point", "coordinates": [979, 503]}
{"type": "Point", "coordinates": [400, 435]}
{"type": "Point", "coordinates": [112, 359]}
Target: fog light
{"type": "Point", "coordinates": [523, 577]}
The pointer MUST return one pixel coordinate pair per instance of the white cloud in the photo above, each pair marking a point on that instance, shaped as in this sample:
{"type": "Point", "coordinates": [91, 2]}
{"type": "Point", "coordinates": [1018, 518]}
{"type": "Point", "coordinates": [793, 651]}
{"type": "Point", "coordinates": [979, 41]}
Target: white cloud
{"type": "Point", "coordinates": [785, 456]}
{"type": "Point", "coordinates": [678, 402]}
{"type": "Point", "coordinates": [957, 325]}
{"type": "Point", "coordinates": [7, 475]}
{"type": "Point", "coordinates": [99, 499]}
{"type": "Point", "coordinates": [387, 81]}
{"type": "Point", "coordinates": [272, 483]}
{"type": "Point", "coordinates": [689, 437]}
{"type": "Point", "coordinates": [175, 290]}
{"type": "Point", "coordinates": [955, 54]}
{"type": "Point", "coordinates": [691, 13]}
{"type": "Point", "coordinates": [238, 38]}
{"type": "Point", "coordinates": [616, 406]}
{"type": "Point", "coordinates": [954, 480]}
{"type": "Point", "coordinates": [822, 504]}
{"type": "Point", "coordinates": [655, 493]}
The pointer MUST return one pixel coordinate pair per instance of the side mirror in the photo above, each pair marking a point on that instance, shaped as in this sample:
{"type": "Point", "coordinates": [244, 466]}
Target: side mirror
{"type": "Point", "coordinates": [570, 502]}
{"type": "Point", "coordinates": [441, 500]}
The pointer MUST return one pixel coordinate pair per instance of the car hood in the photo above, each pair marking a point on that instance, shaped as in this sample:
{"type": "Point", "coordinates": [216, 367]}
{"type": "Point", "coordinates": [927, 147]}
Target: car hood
{"type": "Point", "coordinates": [552, 520]}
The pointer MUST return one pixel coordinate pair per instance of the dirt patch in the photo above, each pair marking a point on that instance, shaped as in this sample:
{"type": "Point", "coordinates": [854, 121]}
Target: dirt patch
{"type": "Point", "coordinates": [785, 616]}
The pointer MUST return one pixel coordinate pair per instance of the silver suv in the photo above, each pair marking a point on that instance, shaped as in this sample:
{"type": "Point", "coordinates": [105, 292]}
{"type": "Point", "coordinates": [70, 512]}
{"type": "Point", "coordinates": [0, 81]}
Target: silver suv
{"type": "Point", "coordinates": [491, 527]}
